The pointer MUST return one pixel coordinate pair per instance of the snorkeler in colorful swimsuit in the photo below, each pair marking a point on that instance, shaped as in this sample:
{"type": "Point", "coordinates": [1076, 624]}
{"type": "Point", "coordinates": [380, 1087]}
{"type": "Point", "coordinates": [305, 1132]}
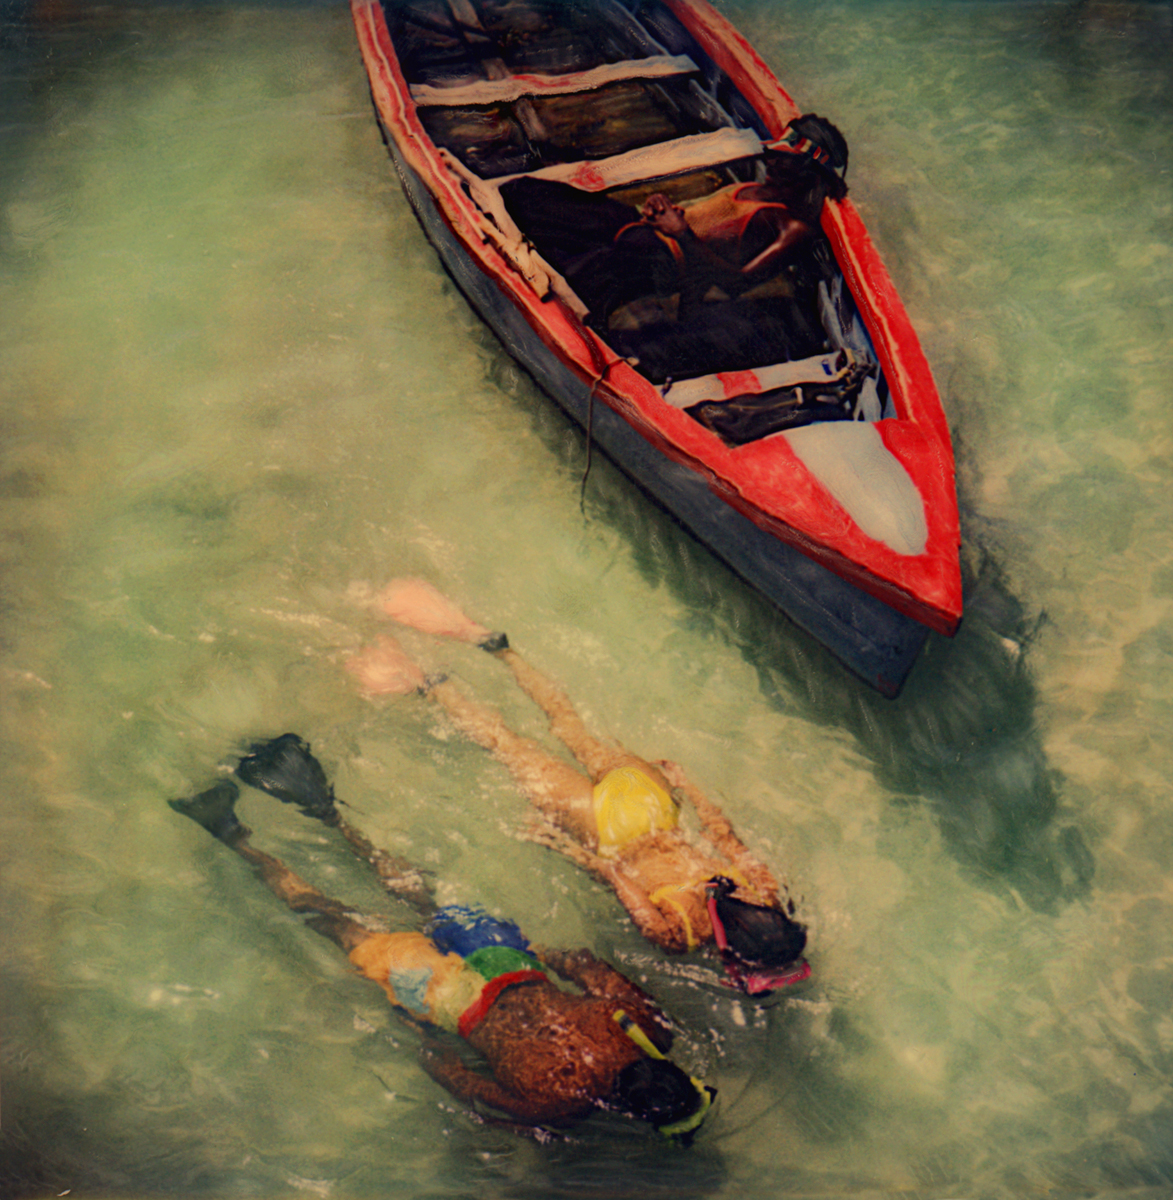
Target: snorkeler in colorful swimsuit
{"type": "Point", "coordinates": [619, 819]}
{"type": "Point", "coordinates": [552, 1056]}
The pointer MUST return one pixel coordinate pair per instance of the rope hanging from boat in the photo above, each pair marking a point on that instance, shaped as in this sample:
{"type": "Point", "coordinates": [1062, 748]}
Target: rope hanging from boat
{"type": "Point", "coordinates": [600, 377]}
{"type": "Point", "coordinates": [590, 426]}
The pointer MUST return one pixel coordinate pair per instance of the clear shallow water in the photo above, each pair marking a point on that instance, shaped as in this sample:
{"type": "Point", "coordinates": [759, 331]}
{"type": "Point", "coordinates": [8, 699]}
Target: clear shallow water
{"type": "Point", "coordinates": [237, 389]}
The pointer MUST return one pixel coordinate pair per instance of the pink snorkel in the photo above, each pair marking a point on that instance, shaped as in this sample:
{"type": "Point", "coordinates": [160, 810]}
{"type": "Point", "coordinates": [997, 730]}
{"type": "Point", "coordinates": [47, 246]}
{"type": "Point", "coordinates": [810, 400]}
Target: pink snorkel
{"type": "Point", "coordinates": [752, 982]}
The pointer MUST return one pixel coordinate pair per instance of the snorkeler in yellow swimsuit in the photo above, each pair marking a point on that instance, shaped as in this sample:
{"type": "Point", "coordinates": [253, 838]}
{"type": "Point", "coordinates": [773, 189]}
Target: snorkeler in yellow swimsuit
{"type": "Point", "coordinates": [618, 817]}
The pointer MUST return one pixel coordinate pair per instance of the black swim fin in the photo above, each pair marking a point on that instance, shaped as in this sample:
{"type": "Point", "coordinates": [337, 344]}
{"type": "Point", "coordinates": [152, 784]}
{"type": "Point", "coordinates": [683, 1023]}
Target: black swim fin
{"type": "Point", "coordinates": [215, 810]}
{"type": "Point", "coordinates": [286, 769]}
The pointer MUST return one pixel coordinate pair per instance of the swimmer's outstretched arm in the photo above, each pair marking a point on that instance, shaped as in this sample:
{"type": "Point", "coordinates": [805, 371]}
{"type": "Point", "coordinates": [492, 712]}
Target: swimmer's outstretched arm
{"type": "Point", "coordinates": [546, 834]}
{"type": "Point", "coordinates": [720, 832]}
{"type": "Point", "coordinates": [602, 981]}
{"type": "Point", "coordinates": [649, 920]}
{"type": "Point", "coordinates": [470, 1087]}
{"type": "Point", "coordinates": [670, 936]}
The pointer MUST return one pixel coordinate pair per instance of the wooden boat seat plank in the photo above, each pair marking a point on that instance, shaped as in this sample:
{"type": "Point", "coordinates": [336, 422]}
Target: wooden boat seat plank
{"type": "Point", "coordinates": [461, 43]}
{"type": "Point", "coordinates": [675, 157]}
{"type": "Point", "coordinates": [728, 385]}
{"type": "Point", "coordinates": [514, 87]}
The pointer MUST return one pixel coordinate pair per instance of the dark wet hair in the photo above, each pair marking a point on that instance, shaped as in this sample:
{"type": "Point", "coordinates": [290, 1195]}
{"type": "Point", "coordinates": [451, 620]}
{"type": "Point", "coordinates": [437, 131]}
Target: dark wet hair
{"type": "Point", "coordinates": [655, 1090]}
{"type": "Point", "coordinates": [806, 181]}
{"type": "Point", "coordinates": [826, 136]}
{"type": "Point", "coordinates": [757, 935]}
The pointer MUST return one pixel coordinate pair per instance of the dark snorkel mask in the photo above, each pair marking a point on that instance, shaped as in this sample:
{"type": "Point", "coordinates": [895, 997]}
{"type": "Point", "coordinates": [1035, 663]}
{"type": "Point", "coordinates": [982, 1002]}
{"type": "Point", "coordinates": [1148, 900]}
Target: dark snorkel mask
{"type": "Point", "coordinates": [744, 971]}
{"type": "Point", "coordinates": [684, 1128]}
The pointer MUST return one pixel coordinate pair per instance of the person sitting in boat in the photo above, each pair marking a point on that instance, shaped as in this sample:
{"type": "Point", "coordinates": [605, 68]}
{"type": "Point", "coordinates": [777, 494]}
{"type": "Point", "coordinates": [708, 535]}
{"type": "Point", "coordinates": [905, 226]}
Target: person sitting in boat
{"type": "Point", "coordinates": [619, 817]}
{"type": "Point", "coordinates": [742, 235]}
{"type": "Point", "coordinates": [552, 1056]}
{"type": "Point", "coordinates": [733, 244]}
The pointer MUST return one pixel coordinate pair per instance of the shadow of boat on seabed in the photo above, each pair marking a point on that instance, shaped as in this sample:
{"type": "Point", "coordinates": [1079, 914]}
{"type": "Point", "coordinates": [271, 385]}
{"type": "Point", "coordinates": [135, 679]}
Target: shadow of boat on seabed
{"type": "Point", "coordinates": [963, 738]}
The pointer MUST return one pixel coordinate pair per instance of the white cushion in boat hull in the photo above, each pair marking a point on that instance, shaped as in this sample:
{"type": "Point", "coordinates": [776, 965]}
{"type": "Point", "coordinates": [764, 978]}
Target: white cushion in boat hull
{"type": "Point", "coordinates": [850, 460]}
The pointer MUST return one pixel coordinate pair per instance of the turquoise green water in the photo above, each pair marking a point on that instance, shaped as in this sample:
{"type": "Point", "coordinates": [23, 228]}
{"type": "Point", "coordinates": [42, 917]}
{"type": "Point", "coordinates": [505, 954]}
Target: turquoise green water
{"type": "Point", "coordinates": [238, 392]}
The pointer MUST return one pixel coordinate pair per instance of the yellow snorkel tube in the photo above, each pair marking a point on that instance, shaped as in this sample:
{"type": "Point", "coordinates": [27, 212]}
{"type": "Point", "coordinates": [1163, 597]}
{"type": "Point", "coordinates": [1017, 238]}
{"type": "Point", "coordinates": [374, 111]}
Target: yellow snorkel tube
{"type": "Point", "coordinates": [690, 1123]}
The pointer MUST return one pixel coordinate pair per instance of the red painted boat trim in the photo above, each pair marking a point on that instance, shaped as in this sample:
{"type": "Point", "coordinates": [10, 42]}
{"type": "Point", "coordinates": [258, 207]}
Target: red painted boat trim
{"type": "Point", "coordinates": [726, 46]}
{"type": "Point", "coordinates": [764, 480]}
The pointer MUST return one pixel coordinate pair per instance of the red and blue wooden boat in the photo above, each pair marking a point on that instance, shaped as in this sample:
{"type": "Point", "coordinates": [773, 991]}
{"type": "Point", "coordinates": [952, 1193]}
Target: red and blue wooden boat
{"type": "Point", "coordinates": [836, 502]}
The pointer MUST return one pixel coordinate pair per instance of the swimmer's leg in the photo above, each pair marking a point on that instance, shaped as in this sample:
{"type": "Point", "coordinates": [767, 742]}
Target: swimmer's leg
{"type": "Point", "coordinates": [417, 603]}
{"type": "Point", "coordinates": [596, 755]}
{"type": "Point", "coordinates": [285, 768]}
{"type": "Point", "coordinates": [403, 879]}
{"type": "Point", "coordinates": [555, 788]}
{"type": "Point", "coordinates": [215, 811]}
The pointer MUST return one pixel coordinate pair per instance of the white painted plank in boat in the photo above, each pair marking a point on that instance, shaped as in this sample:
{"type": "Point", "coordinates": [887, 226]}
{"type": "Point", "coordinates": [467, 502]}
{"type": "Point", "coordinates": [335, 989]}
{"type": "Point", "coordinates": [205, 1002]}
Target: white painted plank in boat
{"type": "Point", "coordinates": [506, 91]}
